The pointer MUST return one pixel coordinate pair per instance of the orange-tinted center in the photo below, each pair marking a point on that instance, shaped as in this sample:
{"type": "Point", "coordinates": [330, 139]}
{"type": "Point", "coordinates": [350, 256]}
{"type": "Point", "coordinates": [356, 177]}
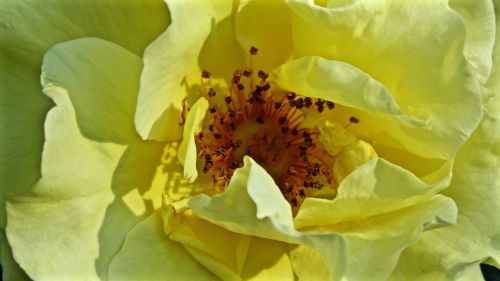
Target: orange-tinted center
{"type": "Point", "coordinates": [256, 120]}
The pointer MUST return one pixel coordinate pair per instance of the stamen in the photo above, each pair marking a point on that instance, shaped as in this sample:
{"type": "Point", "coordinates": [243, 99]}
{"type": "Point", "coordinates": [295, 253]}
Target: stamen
{"type": "Point", "coordinates": [257, 121]}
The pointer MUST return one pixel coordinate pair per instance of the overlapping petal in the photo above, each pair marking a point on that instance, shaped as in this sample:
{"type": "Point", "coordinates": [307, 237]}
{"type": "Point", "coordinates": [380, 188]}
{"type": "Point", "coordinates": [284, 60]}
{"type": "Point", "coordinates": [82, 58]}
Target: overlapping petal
{"type": "Point", "coordinates": [187, 148]}
{"type": "Point", "coordinates": [380, 209]}
{"type": "Point", "coordinates": [148, 255]}
{"type": "Point", "coordinates": [475, 188]}
{"type": "Point", "coordinates": [420, 62]}
{"type": "Point", "coordinates": [27, 30]}
{"type": "Point", "coordinates": [253, 205]}
{"type": "Point", "coordinates": [200, 37]}
{"type": "Point", "coordinates": [410, 84]}
{"type": "Point", "coordinates": [98, 176]}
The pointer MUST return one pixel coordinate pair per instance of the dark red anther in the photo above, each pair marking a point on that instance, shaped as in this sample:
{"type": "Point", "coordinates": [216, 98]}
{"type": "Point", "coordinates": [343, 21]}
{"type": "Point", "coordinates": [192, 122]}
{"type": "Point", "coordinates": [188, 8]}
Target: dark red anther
{"type": "Point", "coordinates": [330, 105]}
{"type": "Point", "coordinates": [262, 74]}
{"type": "Point", "coordinates": [211, 92]}
{"type": "Point", "coordinates": [302, 193]}
{"type": "Point", "coordinates": [308, 102]}
{"type": "Point", "coordinates": [253, 51]}
{"type": "Point", "coordinates": [299, 103]}
{"type": "Point", "coordinates": [205, 74]}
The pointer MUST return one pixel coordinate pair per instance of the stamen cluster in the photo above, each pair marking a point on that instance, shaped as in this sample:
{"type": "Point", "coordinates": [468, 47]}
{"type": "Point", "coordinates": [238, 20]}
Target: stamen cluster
{"type": "Point", "coordinates": [256, 120]}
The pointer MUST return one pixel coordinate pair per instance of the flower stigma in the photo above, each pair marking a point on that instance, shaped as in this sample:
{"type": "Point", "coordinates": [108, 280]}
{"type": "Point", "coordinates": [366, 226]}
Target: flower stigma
{"type": "Point", "coordinates": [256, 119]}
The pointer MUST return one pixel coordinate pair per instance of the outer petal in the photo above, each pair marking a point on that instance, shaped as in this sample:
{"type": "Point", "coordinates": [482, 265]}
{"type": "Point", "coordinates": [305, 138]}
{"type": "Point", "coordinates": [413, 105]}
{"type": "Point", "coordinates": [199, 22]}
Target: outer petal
{"type": "Point", "coordinates": [479, 19]}
{"type": "Point", "coordinates": [97, 180]}
{"type": "Point", "coordinates": [147, 254]}
{"type": "Point", "coordinates": [452, 252]}
{"type": "Point", "coordinates": [201, 36]}
{"type": "Point", "coordinates": [421, 64]}
{"type": "Point", "coordinates": [27, 30]}
{"type": "Point", "coordinates": [10, 269]}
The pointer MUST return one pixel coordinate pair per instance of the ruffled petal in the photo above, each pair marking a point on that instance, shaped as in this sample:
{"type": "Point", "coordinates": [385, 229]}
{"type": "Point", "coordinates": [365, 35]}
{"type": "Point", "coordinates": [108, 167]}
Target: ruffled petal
{"type": "Point", "coordinates": [420, 63]}
{"type": "Point", "coordinates": [336, 81]}
{"type": "Point", "coordinates": [27, 31]}
{"type": "Point", "coordinates": [253, 205]}
{"type": "Point", "coordinates": [380, 209]}
{"type": "Point", "coordinates": [479, 19]}
{"type": "Point", "coordinates": [172, 69]}
{"type": "Point", "coordinates": [97, 174]}
{"type": "Point", "coordinates": [450, 253]}
{"type": "Point", "coordinates": [221, 251]}
{"type": "Point", "coordinates": [229, 255]}
{"type": "Point", "coordinates": [375, 188]}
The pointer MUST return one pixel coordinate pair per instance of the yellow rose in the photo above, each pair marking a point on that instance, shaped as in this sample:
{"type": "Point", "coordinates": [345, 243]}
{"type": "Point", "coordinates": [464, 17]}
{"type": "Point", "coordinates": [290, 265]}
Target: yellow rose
{"type": "Point", "coordinates": [408, 188]}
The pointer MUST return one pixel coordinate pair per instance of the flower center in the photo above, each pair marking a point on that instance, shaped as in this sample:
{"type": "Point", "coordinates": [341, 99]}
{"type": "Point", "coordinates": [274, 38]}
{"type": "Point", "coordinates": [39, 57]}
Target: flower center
{"type": "Point", "coordinates": [265, 123]}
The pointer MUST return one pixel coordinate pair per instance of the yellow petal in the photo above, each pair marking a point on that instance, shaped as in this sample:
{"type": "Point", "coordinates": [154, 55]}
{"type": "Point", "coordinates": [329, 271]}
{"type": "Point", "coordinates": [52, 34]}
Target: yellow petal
{"type": "Point", "coordinates": [172, 69]}
{"type": "Point", "coordinates": [253, 205]}
{"type": "Point", "coordinates": [147, 254]}
{"type": "Point", "coordinates": [87, 168]}
{"type": "Point", "coordinates": [187, 149]}
{"type": "Point", "coordinates": [428, 78]}
{"type": "Point", "coordinates": [266, 26]}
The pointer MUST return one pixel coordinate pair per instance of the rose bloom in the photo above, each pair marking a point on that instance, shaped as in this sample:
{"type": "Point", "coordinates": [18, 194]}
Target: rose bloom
{"type": "Point", "coordinates": [249, 140]}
